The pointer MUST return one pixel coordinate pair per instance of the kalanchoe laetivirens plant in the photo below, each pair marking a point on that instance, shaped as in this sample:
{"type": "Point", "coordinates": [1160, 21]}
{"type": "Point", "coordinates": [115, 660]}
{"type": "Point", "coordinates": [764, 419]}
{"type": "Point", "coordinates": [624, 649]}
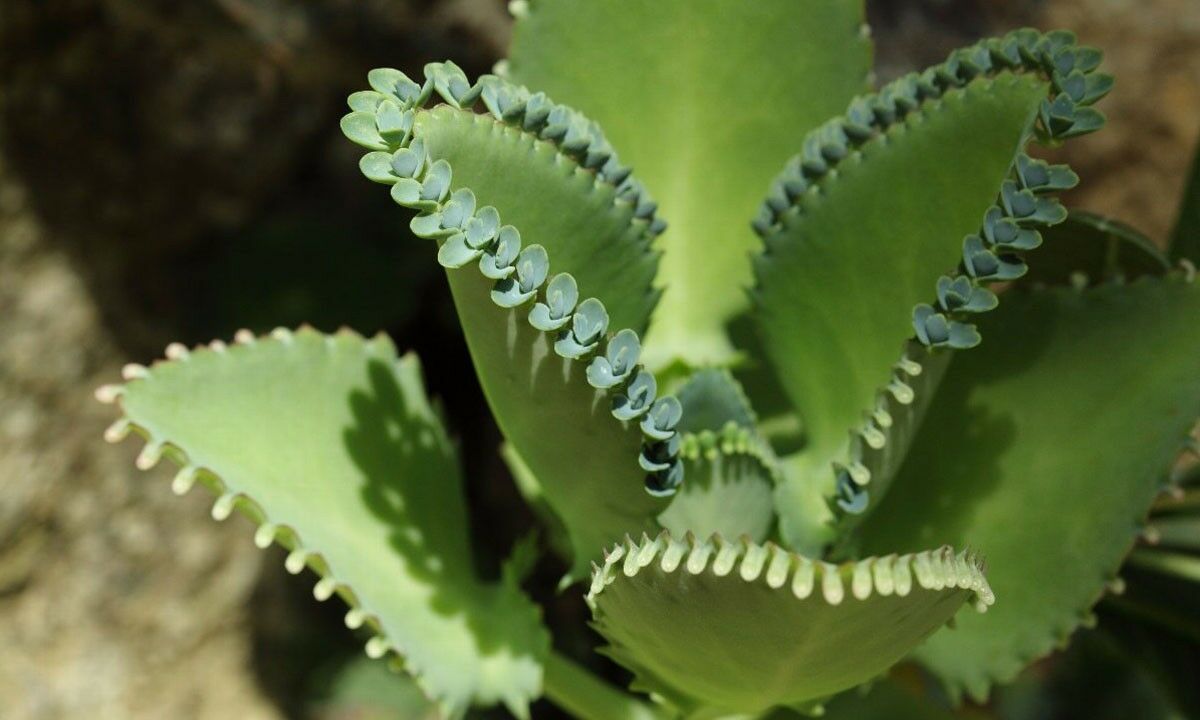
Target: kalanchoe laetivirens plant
{"type": "Point", "coordinates": [761, 438]}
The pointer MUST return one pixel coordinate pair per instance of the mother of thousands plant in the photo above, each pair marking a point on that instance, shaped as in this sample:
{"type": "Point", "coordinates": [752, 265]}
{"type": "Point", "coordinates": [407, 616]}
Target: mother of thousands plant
{"type": "Point", "coordinates": [767, 447]}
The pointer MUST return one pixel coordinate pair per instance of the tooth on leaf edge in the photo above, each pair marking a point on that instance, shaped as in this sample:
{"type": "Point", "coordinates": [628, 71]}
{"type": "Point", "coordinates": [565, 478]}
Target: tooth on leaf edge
{"type": "Point", "coordinates": [177, 351]}
{"type": "Point", "coordinates": [134, 371]}
{"type": "Point", "coordinates": [108, 394]}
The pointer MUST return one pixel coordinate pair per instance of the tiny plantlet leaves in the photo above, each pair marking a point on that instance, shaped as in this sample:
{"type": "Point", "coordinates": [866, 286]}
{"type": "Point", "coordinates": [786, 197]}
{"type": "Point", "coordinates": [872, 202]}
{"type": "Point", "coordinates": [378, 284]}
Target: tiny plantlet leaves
{"type": "Point", "coordinates": [909, 226]}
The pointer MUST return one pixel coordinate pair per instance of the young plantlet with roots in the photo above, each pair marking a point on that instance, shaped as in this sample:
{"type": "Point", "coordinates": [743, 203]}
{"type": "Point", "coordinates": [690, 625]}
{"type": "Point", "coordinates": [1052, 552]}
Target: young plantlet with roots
{"type": "Point", "coordinates": [771, 491]}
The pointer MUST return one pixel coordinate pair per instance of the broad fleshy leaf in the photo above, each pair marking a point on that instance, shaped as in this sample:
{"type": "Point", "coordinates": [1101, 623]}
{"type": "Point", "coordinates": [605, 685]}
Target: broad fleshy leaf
{"type": "Point", "coordinates": [1044, 449]}
{"type": "Point", "coordinates": [532, 195]}
{"type": "Point", "coordinates": [838, 280]}
{"type": "Point", "coordinates": [668, 80]}
{"type": "Point", "coordinates": [740, 628]}
{"type": "Point", "coordinates": [879, 172]}
{"type": "Point", "coordinates": [329, 444]}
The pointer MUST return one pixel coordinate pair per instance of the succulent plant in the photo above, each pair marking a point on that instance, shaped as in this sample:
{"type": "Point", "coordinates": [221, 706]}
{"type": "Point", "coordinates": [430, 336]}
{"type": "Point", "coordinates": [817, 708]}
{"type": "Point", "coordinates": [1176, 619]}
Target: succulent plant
{"type": "Point", "coordinates": [764, 432]}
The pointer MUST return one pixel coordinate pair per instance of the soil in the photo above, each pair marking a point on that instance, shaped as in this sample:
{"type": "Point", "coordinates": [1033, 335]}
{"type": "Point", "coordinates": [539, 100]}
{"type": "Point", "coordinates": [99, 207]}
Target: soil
{"type": "Point", "coordinates": [117, 600]}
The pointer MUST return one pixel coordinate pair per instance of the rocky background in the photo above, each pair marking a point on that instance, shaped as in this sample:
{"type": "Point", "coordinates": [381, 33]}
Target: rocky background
{"type": "Point", "coordinates": [174, 171]}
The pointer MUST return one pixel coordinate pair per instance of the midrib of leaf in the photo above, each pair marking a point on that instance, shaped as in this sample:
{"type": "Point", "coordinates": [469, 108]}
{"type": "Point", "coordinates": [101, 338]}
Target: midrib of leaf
{"type": "Point", "coordinates": [691, 192]}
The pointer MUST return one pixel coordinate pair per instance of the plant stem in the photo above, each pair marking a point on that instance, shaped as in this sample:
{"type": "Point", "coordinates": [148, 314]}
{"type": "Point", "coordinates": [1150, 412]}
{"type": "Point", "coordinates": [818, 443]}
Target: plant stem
{"type": "Point", "coordinates": [589, 698]}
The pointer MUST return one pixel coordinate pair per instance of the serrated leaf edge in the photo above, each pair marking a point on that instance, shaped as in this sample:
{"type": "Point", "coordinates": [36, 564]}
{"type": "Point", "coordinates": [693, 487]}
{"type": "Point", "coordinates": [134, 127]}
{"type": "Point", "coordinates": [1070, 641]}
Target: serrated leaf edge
{"type": "Point", "coordinates": [808, 580]}
{"type": "Point", "coordinates": [732, 440]}
{"type": "Point", "coordinates": [267, 531]}
{"type": "Point", "coordinates": [1110, 580]}
{"type": "Point", "coordinates": [1052, 56]}
{"type": "Point", "coordinates": [930, 570]}
{"type": "Point", "coordinates": [633, 390]}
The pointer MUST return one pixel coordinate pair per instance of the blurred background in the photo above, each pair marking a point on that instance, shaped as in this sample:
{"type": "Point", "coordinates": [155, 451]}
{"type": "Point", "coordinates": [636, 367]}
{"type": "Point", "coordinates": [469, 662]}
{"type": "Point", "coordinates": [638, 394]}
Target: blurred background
{"type": "Point", "coordinates": [174, 171]}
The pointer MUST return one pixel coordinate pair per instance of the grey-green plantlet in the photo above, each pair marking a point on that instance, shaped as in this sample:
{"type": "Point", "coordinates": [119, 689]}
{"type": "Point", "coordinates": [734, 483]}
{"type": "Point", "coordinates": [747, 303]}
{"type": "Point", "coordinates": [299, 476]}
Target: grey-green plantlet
{"type": "Point", "coordinates": [764, 432]}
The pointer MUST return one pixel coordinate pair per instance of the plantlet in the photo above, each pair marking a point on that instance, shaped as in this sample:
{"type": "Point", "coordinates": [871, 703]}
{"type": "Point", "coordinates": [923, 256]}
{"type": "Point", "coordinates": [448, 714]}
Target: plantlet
{"type": "Point", "coordinates": [774, 493]}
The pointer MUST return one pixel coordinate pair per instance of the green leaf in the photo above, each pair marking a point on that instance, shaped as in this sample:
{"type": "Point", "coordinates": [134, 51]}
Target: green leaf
{"type": "Point", "coordinates": [1185, 240]}
{"type": "Point", "coordinates": [730, 482]}
{"type": "Point", "coordinates": [585, 461]}
{"type": "Point", "coordinates": [992, 254]}
{"type": "Point", "coordinates": [668, 81]}
{"type": "Point", "coordinates": [1044, 449]}
{"type": "Point", "coordinates": [587, 697]}
{"type": "Point", "coordinates": [530, 190]}
{"type": "Point", "coordinates": [1097, 249]}
{"type": "Point", "coordinates": [740, 628]}
{"type": "Point", "coordinates": [330, 445]}
{"type": "Point", "coordinates": [838, 281]}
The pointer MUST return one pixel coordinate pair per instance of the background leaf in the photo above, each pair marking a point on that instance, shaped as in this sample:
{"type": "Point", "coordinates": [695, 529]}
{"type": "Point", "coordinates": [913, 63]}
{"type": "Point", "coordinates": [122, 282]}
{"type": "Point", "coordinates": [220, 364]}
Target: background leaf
{"type": "Point", "coordinates": [670, 81]}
